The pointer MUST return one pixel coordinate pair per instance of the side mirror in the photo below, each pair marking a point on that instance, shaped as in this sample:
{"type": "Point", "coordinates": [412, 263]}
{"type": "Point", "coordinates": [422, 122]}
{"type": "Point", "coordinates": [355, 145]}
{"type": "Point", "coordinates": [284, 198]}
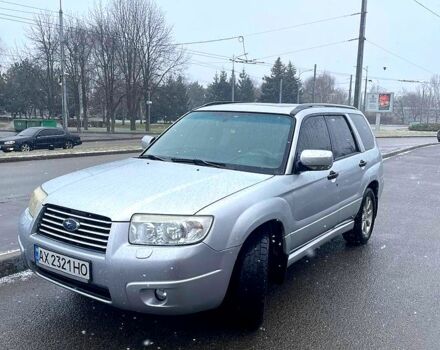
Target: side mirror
{"type": "Point", "coordinates": [316, 160]}
{"type": "Point", "coordinates": [147, 140]}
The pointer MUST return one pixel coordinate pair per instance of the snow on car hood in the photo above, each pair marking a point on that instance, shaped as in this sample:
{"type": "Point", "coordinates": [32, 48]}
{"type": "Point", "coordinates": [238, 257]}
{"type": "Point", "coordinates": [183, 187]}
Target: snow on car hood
{"type": "Point", "coordinates": [120, 189]}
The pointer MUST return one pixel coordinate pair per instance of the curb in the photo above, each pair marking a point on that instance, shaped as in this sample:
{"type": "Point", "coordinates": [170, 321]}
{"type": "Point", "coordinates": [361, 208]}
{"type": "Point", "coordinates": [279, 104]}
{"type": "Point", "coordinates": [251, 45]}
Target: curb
{"type": "Point", "coordinates": [68, 155]}
{"type": "Point", "coordinates": [403, 150]}
{"type": "Point", "coordinates": [12, 262]}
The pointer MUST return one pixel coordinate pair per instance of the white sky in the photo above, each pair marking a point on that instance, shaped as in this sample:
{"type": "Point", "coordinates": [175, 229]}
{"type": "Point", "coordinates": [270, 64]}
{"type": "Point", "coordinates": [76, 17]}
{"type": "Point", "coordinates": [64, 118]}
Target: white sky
{"type": "Point", "coordinates": [401, 26]}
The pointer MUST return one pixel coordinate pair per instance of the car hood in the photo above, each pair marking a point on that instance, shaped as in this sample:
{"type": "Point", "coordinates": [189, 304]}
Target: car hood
{"type": "Point", "coordinates": [120, 189]}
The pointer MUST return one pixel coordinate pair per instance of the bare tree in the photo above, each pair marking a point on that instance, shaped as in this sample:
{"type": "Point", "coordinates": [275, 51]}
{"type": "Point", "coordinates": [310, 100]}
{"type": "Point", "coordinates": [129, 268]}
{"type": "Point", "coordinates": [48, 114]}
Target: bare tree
{"type": "Point", "coordinates": [160, 56]}
{"type": "Point", "coordinates": [79, 47]}
{"type": "Point", "coordinates": [105, 48]}
{"type": "Point", "coordinates": [325, 90]}
{"type": "Point", "coordinates": [45, 40]}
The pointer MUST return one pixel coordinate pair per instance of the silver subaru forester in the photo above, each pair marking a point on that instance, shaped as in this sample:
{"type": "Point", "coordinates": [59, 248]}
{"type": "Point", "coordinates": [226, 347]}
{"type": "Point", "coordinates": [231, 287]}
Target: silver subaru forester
{"type": "Point", "coordinates": [215, 208]}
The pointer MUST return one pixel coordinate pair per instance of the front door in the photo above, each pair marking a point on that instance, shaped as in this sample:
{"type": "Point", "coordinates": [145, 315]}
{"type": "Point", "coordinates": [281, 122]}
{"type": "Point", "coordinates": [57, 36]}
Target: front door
{"type": "Point", "coordinates": [43, 139]}
{"type": "Point", "coordinates": [314, 199]}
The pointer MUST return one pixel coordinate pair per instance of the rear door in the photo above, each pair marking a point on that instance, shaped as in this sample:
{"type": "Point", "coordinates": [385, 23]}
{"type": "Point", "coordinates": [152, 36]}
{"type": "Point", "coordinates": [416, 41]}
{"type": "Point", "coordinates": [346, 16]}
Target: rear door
{"type": "Point", "coordinates": [59, 137]}
{"type": "Point", "coordinates": [314, 196]}
{"type": "Point", "coordinates": [347, 164]}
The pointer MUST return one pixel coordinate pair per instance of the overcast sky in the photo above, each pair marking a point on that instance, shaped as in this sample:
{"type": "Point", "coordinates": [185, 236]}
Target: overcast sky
{"type": "Point", "coordinates": [400, 26]}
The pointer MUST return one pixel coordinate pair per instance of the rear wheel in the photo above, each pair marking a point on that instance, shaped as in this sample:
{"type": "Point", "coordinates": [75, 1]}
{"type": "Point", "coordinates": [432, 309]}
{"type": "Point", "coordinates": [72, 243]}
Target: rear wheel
{"type": "Point", "coordinates": [25, 147]}
{"type": "Point", "coordinates": [247, 292]}
{"type": "Point", "coordinates": [364, 221]}
{"type": "Point", "coordinates": [68, 145]}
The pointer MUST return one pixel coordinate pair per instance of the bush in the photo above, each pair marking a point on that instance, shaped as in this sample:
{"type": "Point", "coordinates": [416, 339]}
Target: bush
{"type": "Point", "coordinates": [424, 127]}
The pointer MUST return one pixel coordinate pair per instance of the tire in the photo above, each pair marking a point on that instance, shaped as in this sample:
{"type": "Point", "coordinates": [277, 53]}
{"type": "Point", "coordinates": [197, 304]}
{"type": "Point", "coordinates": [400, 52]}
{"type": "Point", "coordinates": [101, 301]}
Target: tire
{"type": "Point", "coordinates": [25, 147]}
{"type": "Point", "coordinates": [364, 220]}
{"type": "Point", "coordinates": [68, 145]}
{"type": "Point", "coordinates": [247, 293]}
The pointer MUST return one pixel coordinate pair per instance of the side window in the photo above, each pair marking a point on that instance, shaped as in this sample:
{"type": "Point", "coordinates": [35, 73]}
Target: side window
{"type": "Point", "coordinates": [58, 132]}
{"type": "Point", "coordinates": [44, 132]}
{"type": "Point", "coordinates": [313, 135]}
{"type": "Point", "coordinates": [363, 129]}
{"type": "Point", "coordinates": [343, 143]}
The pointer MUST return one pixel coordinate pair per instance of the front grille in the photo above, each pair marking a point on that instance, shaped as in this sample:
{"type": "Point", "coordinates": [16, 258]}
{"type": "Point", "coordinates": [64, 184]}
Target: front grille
{"type": "Point", "coordinates": [93, 231]}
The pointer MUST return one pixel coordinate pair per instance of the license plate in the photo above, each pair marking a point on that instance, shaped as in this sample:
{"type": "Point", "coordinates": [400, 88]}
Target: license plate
{"type": "Point", "coordinates": [60, 262]}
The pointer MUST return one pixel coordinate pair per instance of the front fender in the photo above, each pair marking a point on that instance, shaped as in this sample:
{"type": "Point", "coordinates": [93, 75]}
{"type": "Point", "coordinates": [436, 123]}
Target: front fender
{"type": "Point", "coordinates": [227, 233]}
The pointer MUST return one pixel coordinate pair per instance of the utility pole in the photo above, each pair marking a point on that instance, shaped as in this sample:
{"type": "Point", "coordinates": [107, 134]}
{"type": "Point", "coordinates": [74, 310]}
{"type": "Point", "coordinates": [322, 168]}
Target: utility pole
{"type": "Point", "coordinates": [349, 90]}
{"type": "Point", "coordinates": [360, 55]}
{"type": "Point", "coordinates": [314, 84]}
{"type": "Point", "coordinates": [281, 91]}
{"type": "Point", "coordinates": [233, 79]}
{"type": "Point", "coordinates": [365, 91]}
{"type": "Point", "coordinates": [63, 76]}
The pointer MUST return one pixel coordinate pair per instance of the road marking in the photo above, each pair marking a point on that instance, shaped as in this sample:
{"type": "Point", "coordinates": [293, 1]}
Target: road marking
{"type": "Point", "coordinates": [10, 251]}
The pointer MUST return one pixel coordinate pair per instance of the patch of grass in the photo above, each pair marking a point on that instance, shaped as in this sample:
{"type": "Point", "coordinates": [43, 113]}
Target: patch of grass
{"type": "Point", "coordinates": [424, 127]}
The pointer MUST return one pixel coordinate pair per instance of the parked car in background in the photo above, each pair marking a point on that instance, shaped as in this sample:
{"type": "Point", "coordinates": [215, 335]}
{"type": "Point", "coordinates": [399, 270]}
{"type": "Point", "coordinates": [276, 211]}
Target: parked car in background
{"type": "Point", "coordinates": [438, 136]}
{"type": "Point", "coordinates": [39, 138]}
{"type": "Point", "coordinates": [217, 206]}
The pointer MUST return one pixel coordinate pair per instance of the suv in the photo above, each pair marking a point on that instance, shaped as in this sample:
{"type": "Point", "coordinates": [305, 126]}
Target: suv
{"type": "Point", "coordinates": [216, 207]}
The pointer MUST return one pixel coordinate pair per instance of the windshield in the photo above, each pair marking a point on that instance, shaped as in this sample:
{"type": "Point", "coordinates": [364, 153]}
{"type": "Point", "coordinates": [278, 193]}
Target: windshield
{"type": "Point", "coordinates": [28, 132]}
{"type": "Point", "coordinates": [242, 141]}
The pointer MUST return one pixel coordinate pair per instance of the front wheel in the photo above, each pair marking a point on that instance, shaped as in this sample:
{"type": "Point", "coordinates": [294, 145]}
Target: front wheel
{"type": "Point", "coordinates": [247, 293]}
{"type": "Point", "coordinates": [25, 147]}
{"type": "Point", "coordinates": [364, 221]}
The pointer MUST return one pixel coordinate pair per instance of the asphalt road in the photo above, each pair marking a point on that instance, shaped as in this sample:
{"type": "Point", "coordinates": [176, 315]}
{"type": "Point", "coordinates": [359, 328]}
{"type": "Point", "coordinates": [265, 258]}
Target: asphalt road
{"type": "Point", "coordinates": [384, 295]}
{"type": "Point", "coordinates": [387, 145]}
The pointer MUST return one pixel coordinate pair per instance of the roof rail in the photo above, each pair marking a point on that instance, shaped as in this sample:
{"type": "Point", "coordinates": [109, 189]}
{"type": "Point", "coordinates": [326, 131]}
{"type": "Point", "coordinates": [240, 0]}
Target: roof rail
{"type": "Point", "coordinates": [303, 106]}
{"type": "Point", "coordinates": [213, 103]}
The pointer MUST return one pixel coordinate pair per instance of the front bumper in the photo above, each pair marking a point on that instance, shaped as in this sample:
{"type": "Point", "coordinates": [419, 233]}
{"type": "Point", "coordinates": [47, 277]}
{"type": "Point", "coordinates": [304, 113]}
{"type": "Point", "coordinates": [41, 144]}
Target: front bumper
{"type": "Point", "coordinates": [7, 148]}
{"type": "Point", "coordinates": [195, 277]}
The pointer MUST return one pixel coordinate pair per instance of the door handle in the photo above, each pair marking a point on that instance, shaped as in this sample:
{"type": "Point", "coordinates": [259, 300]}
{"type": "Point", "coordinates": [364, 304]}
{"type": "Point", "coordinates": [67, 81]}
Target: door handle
{"type": "Point", "coordinates": [362, 163]}
{"type": "Point", "coordinates": [333, 175]}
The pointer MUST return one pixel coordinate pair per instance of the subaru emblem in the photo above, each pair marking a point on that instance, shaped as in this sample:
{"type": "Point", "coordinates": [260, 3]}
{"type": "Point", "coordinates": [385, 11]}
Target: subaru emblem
{"type": "Point", "coordinates": [71, 224]}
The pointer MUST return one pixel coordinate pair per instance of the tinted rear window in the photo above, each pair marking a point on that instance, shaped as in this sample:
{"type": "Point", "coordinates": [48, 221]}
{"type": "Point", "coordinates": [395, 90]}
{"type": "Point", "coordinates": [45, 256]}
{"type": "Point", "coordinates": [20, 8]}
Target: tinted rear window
{"type": "Point", "coordinates": [364, 130]}
{"type": "Point", "coordinates": [343, 143]}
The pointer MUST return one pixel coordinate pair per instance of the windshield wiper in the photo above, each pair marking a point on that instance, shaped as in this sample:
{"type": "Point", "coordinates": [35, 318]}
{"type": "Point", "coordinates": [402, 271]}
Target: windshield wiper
{"type": "Point", "coordinates": [199, 162]}
{"type": "Point", "coordinates": [153, 157]}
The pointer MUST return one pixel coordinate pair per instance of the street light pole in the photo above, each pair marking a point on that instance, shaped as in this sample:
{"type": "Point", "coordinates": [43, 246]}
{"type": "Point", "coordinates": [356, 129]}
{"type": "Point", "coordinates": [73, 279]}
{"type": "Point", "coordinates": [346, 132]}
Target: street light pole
{"type": "Point", "coordinates": [281, 91]}
{"type": "Point", "coordinates": [314, 83]}
{"type": "Point", "coordinates": [233, 79]}
{"type": "Point", "coordinates": [349, 90]}
{"type": "Point", "coordinates": [360, 55]}
{"type": "Point", "coordinates": [365, 91]}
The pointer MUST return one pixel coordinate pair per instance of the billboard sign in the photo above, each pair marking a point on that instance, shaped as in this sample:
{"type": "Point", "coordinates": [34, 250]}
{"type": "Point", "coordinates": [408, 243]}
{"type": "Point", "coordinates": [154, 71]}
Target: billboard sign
{"type": "Point", "coordinates": [381, 102]}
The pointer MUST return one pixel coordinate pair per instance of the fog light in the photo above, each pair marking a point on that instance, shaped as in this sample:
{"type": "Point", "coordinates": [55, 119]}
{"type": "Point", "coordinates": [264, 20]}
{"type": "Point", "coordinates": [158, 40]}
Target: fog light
{"type": "Point", "coordinates": [161, 294]}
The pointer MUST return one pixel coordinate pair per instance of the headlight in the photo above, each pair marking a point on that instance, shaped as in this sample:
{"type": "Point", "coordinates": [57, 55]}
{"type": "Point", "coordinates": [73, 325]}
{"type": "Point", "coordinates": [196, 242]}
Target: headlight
{"type": "Point", "coordinates": [168, 230]}
{"type": "Point", "coordinates": [9, 142]}
{"type": "Point", "coordinates": [36, 201]}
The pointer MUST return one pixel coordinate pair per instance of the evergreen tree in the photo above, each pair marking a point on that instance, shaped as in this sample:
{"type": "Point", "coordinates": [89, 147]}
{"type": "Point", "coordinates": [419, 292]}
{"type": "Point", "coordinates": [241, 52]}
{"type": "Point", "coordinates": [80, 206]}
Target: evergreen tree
{"type": "Point", "coordinates": [290, 84]}
{"type": "Point", "coordinates": [219, 89]}
{"type": "Point", "coordinates": [270, 89]}
{"type": "Point", "coordinates": [170, 100]}
{"type": "Point", "coordinates": [245, 88]}
{"type": "Point", "coordinates": [196, 95]}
